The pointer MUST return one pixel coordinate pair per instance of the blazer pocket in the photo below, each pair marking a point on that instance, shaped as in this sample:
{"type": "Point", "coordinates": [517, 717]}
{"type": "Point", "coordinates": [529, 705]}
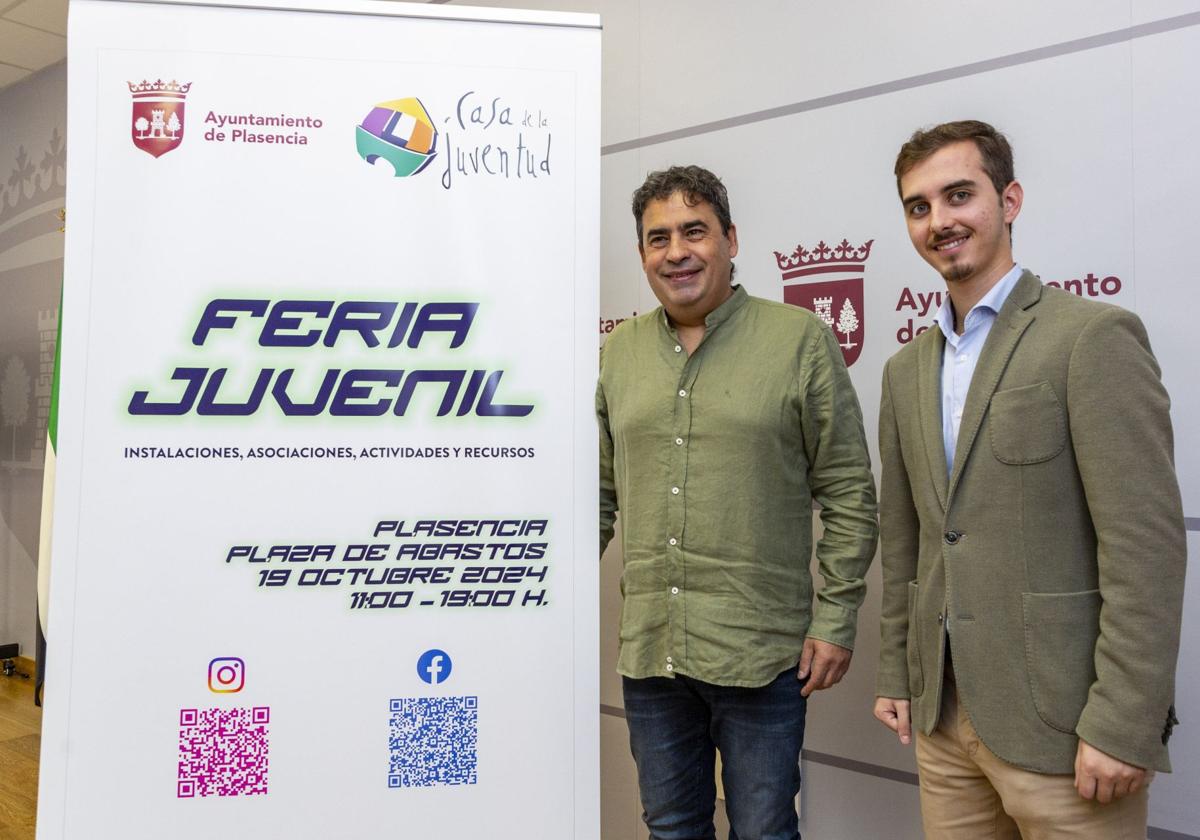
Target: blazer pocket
{"type": "Point", "coordinates": [1027, 424]}
{"type": "Point", "coordinates": [916, 675]}
{"type": "Point", "coordinates": [1060, 648]}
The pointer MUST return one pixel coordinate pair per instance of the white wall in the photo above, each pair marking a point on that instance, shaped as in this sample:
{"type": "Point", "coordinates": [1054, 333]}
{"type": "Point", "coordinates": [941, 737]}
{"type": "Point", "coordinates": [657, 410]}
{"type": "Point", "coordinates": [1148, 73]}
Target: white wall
{"type": "Point", "coordinates": [32, 154]}
{"type": "Point", "coordinates": [801, 108]}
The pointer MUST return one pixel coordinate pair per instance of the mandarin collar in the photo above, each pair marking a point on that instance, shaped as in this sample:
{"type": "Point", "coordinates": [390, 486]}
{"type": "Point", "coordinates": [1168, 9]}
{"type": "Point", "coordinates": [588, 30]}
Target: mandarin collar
{"type": "Point", "coordinates": [719, 315]}
{"type": "Point", "coordinates": [726, 310]}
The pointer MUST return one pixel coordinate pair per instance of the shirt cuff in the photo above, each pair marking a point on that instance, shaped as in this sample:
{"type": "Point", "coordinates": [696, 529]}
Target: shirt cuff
{"type": "Point", "coordinates": [833, 624]}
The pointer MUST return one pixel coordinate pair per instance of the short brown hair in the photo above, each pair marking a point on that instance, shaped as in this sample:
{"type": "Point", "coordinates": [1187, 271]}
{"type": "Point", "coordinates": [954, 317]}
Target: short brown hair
{"type": "Point", "coordinates": [696, 184]}
{"type": "Point", "coordinates": [993, 147]}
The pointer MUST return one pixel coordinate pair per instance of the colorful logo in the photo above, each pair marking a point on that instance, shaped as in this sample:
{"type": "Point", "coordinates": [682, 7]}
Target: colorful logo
{"type": "Point", "coordinates": [157, 121]}
{"type": "Point", "coordinates": [829, 281]}
{"type": "Point", "coordinates": [434, 666]}
{"type": "Point", "coordinates": [402, 133]}
{"type": "Point", "coordinates": [226, 674]}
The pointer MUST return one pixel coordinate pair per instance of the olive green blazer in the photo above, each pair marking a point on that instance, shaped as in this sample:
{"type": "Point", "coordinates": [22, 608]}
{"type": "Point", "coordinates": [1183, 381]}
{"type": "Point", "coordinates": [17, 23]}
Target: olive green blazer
{"type": "Point", "coordinates": [1057, 545]}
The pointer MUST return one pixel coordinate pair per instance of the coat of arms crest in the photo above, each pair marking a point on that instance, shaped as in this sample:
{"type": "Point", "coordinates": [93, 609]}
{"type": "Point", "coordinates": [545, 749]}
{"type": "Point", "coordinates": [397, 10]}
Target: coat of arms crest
{"type": "Point", "coordinates": [829, 281]}
{"type": "Point", "coordinates": [157, 121]}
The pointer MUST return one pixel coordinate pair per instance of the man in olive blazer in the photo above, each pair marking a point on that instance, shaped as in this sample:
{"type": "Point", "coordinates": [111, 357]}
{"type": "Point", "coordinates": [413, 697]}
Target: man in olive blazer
{"type": "Point", "coordinates": [1033, 583]}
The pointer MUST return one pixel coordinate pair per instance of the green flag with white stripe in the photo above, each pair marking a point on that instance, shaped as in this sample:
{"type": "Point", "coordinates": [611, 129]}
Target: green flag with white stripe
{"type": "Point", "coordinates": [43, 584]}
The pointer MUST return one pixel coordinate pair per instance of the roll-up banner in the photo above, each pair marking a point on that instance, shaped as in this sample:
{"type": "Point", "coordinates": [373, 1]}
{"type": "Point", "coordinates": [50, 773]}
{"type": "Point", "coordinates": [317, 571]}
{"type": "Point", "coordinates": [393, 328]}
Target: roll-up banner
{"type": "Point", "coordinates": [325, 531]}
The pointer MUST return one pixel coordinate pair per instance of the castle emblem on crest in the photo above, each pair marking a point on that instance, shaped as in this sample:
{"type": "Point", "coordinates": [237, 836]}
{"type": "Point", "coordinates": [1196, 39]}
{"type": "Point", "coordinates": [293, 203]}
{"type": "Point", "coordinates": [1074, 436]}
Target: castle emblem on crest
{"type": "Point", "coordinates": [157, 121]}
{"type": "Point", "coordinates": [829, 281]}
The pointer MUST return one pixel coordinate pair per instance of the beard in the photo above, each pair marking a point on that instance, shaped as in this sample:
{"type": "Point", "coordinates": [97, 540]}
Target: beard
{"type": "Point", "coordinates": [957, 272]}
{"type": "Point", "coordinates": [959, 268]}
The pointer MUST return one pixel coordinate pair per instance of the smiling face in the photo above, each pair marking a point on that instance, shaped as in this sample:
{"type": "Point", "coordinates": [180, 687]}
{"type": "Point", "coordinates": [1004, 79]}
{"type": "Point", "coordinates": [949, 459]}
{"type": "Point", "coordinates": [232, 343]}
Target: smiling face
{"type": "Point", "coordinates": [956, 220]}
{"type": "Point", "coordinates": [687, 257]}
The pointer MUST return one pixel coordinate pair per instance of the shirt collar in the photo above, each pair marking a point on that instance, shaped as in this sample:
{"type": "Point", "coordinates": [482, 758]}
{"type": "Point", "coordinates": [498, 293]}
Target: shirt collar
{"type": "Point", "coordinates": [719, 315]}
{"type": "Point", "coordinates": [992, 301]}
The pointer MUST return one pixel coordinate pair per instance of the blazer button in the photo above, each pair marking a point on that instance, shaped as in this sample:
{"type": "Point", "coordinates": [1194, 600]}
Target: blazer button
{"type": "Point", "coordinates": [952, 537]}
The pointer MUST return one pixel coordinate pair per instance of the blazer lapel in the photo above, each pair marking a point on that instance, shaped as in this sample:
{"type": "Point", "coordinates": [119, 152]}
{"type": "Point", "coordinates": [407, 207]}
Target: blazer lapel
{"type": "Point", "coordinates": [1011, 322]}
{"type": "Point", "coordinates": [929, 395]}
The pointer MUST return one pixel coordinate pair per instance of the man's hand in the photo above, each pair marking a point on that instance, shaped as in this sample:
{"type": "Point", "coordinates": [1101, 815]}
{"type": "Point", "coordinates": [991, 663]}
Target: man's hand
{"type": "Point", "coordinates": [894, 714]}
{"type": "Point", "coordinates": [1101, 777]}
{"type": "Point", "coordinates": [823, 663]}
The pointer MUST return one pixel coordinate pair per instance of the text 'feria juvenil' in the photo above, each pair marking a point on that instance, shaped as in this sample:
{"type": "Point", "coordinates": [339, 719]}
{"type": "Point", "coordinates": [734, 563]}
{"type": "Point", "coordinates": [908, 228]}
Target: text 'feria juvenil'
{"type": "Point", "coordinates": [312, 327]}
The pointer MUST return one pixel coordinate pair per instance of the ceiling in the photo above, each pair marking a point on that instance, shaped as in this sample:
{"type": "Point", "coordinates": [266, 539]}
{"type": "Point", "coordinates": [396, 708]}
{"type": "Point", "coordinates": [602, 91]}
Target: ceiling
{"type": "Point", "coordinates": [33, 35]}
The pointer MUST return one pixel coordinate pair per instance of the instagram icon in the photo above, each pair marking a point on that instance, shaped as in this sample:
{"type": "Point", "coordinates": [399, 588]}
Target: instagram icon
{"type": "Point", "coordinates": [226, 674]}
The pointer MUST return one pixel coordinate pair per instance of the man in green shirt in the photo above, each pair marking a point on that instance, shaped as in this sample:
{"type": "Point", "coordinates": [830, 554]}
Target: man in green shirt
{"type": "Point", "coordinates": [722, 418]}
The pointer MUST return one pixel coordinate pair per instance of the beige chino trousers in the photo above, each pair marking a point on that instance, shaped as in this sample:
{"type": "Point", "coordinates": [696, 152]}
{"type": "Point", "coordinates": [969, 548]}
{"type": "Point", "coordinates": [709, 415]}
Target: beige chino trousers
{"type": "Point", "coordinates": [967, 793]}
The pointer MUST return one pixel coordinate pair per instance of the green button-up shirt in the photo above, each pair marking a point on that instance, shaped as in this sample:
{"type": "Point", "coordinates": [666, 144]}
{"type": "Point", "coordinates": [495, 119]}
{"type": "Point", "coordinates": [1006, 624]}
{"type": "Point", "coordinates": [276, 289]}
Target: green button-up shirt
{"type": "Point", "coordinates": [714, 460]}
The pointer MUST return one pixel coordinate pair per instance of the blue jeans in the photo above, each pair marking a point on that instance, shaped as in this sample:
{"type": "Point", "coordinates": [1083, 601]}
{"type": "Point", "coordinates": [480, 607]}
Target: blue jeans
{"type": "Point", "coordinates": [674, 727]}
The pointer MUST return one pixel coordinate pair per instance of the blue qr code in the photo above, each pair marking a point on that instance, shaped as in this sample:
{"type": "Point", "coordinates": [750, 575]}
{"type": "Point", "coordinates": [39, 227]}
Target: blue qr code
{"type": "Point", "coordinates": [432, 741]}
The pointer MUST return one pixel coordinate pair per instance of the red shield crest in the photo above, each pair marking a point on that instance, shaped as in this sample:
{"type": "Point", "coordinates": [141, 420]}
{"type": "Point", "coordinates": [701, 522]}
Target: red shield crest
{"type": "Point", "coordinates": [156, 125]}
{"type": "Point", "coordinates": [829, 281]}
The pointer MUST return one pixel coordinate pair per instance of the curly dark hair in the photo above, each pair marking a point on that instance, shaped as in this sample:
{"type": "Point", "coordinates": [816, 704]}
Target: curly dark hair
{"type": "Point", "coordinates": [696, 184]}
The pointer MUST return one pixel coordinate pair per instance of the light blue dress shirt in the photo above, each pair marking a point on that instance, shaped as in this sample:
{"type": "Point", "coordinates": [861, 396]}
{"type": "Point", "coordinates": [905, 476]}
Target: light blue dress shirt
{"type": "Point", "coordinates": [962, 353]}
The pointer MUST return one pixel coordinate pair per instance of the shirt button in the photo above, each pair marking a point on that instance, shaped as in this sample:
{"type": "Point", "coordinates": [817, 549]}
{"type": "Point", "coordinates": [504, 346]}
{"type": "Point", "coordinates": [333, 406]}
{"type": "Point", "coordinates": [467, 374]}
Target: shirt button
{"type": "Point", "coordinates": [682, 392]}
{"type": "Point", "coordinates": [674, 590]}
{"type": "Point", "coordinates": [678, 349]}
{"type": "Point", "coordinates": [673, 541]}
{"type": "Point", "coordinates": [675, 491]}
{"type": "Point", "coordinates": [679, 441]}
{"type": "Point", "coordinates": [670, 667]}
{"type": "Point", "coordinates": [669, 659]}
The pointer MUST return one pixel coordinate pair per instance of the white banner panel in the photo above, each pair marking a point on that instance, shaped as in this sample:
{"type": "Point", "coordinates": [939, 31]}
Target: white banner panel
{"type": "Point", "coordinates": [325, 535]}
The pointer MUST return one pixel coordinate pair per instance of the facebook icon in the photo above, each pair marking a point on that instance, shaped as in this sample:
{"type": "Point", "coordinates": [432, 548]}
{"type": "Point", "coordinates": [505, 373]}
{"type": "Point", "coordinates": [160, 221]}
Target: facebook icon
{"type": "Point", "coordinates": [434, 666]}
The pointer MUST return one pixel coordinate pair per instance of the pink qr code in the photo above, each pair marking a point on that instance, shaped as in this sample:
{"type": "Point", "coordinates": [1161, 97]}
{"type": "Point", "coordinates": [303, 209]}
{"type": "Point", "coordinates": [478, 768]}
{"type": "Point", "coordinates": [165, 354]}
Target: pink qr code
{"type": "Point", "coordinates": [223, 752]}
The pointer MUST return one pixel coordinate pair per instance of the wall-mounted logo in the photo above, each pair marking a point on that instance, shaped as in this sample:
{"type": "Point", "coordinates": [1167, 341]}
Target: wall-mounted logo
{"type": "Point", "coordinates": [157, 121]}
{"type": "Point", "coordinates": [226, 674]}
{"type": "Point", "coordinates": [401, 132]}
{"type": "Point", "coordinates": [434, 666]}
{"type": "Point", "coordinates": [829, 281]}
